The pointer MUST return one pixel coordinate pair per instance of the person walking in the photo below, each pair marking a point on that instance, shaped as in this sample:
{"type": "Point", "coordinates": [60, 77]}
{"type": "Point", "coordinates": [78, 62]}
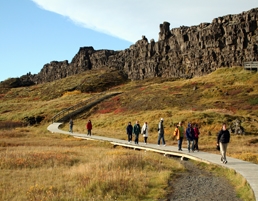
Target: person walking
{"type": "Point", "coordinates": [145, 132]}
{"type": "Point", "coordinates": [89, 127]}
{"type": "Point", "coordinates": [190, 137]}
{"type": "Point", "coordinates": [223, 139]}
{"type": "Point", "coordinates": [129, 132]}
{"type": "Point", "coordinates": [161, 132]}
{"type": "Point", "coordinates": [71, 125]}
{"type": "Point", "coordinates": [179, 133]}
{"type": "Point", "coordinates": [136, 132]}
{"type": "Point", "coordinates": [196, 137]}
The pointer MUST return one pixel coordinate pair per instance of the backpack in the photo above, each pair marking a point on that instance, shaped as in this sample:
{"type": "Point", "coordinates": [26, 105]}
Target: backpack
{"type": "Point", "coordinates": [144, 131]}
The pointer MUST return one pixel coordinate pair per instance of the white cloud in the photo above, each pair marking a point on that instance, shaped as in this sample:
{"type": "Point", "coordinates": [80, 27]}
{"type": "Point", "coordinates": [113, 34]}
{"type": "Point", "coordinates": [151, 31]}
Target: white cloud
{"type": "Point", "coordinates": [130, 19]}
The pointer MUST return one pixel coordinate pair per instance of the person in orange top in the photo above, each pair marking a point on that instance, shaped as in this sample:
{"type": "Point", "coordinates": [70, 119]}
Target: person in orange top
{"type": "Point", "coordinates": [179, 133]}
{"type": "Point", "coordinates": [89, 127]}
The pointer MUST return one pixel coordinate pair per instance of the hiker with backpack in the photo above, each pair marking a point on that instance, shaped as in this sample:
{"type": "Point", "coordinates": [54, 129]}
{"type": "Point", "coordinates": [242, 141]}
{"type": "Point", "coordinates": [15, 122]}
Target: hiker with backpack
{"type": "Point", "coordinates": [145, 132]}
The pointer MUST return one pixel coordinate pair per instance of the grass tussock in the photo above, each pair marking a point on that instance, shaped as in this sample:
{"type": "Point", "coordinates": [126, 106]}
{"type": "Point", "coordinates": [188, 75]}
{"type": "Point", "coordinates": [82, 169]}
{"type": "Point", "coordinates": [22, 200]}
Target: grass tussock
{"type": "Point", "coordinates": [12, 159]}
{"type": "Point", "coordinates": [66, 168]}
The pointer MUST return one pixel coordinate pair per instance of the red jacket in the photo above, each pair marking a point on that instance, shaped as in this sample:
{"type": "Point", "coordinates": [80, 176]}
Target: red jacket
{"type": "Point", "coordinates": [196, 132]}
{"type": "Point", "coordinates": [89, 126]}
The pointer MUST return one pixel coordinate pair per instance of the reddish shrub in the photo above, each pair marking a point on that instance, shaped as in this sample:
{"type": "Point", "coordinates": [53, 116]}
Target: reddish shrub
{"type": "Point", "coordinates": [208, 85]}
{"type": "Point", "coordinates": [234, 92]}
{"type": "Point", "coordinates": [108, 110]}
{"type": "Point", "coordinates": [119, 110]}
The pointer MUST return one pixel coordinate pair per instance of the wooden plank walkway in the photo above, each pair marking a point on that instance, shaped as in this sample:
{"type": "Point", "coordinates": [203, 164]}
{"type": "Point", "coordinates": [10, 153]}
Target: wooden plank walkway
{"type": "Point", "coordinates": [248, 170]}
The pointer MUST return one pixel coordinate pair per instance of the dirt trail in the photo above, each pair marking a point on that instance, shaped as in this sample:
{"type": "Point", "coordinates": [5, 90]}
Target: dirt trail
{"type": "Point", "coordinates": [200, 185]}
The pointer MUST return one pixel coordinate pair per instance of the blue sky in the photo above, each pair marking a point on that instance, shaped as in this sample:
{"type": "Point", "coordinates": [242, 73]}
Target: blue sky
{"type": "Point", "coordinates": [36, 32]}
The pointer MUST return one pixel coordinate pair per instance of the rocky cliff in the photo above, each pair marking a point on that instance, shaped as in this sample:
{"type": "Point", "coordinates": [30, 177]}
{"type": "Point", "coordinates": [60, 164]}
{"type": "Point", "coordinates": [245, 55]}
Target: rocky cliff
{"type": "Point", "coordinates": [180, 52]}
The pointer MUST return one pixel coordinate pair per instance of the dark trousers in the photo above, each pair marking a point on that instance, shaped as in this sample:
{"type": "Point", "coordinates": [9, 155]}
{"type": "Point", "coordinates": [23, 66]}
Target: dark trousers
{"type": "Point", "coordinates": [129, 137]}
{"type": "Point", "coordinates": [180, 142]}
{"type": "Point", "coordinates": [196, 143]}
{"type": "Point", "coordinates": [145, 139]}
{"type": "Point", "coordinates": [89, 132]}
{"type": "Point", "coordinates": [71, 129]}
{"type": "Point", "coordinates": [136, 140]}
{"type": "Point", "coordinates": [161, 137]}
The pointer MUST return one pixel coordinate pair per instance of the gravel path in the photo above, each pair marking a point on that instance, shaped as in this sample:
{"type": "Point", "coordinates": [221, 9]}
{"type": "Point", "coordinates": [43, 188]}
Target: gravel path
{"type": "Point", "coordinates": [200, 185]}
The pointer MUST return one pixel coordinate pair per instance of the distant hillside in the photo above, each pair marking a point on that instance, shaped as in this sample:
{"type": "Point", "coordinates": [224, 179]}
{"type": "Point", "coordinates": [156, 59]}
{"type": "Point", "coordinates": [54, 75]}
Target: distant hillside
{"type": "Point", "coordinates": [180, 52]}
{"type": "Point", "coordinates": [224, 95]}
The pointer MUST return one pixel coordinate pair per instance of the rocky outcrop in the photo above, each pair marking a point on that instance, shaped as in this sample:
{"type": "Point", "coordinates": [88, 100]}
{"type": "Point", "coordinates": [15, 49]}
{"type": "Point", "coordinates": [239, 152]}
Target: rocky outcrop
{"type": "Point", "coordinates": [23, 81]}
{"type": "Point", "coordinates": [236, 127]}
{"type": "Point", "coordinates": [179, 52]}
{"type": "Point", "coordinates": [30, 121]}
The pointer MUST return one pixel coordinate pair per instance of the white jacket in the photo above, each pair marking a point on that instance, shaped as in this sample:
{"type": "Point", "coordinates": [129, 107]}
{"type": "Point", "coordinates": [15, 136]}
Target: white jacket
{"type": "Point", "coordinates": [145, 127]}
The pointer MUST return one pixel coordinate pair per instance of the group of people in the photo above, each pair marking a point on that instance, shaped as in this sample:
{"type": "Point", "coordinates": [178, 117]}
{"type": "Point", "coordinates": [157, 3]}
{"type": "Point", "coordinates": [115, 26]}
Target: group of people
{"type": "Point", "coordinates": [191, 133]}
{"type": "Point", "coordinates": [137, 130]}
{"type": "Point", "coordinates": [192, 136]}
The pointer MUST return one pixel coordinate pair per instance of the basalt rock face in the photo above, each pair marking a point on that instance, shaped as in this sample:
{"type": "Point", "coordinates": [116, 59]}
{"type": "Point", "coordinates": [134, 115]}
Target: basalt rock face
{"type": "Point", "coordinates": [53, 71]}
{"type": "Point", "coordinates": [179, 52]}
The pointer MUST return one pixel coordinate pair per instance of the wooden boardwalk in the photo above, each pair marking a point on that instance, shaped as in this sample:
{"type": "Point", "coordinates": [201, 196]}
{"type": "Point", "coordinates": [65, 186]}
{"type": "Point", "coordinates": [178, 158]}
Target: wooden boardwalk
{"type": "Point", "coordinates": [248, 170]}
{"type": "Point", "coordinates": [251, 65]}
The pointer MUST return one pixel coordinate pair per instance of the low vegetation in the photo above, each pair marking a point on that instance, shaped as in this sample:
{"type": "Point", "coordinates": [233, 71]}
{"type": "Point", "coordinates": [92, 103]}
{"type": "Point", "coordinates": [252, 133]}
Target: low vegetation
{"type": "Point", "coordinates": [55, 167]}
{"type": "Point", "coordinates": [36, 166]}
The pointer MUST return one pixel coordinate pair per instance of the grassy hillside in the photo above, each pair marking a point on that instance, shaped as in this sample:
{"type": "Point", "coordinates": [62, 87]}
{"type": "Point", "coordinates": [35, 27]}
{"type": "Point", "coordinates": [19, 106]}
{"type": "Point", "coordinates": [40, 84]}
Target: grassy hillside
{"type": "Point", "coordinates": [222, 96]}
{"type": "Point", "coordinates": [65, 164]}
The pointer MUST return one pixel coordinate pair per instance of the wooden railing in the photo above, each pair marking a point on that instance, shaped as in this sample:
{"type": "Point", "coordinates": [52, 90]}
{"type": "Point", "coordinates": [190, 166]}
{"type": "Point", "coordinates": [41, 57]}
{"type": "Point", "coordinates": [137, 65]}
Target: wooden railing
{"type": "Point", "coordinates": [81, 106]}
{"type": "Point", "coordinates": [251, 65]}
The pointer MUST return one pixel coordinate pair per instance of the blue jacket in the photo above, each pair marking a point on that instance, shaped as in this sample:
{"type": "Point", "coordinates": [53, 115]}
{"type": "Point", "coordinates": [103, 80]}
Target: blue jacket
{"type": "Point", "coordinates": [189, 133]}
{"type": "Point", "coordinates": [129, 129]}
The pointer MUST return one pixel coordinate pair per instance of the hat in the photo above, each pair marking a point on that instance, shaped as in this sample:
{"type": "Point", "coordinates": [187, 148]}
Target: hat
{"type": "Point", "coordinates": [179, 123]}
{"type": "Point", "coordinates": [161, 119]}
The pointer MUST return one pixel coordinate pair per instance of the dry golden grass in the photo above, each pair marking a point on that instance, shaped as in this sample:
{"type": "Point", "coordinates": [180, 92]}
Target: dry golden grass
{"type": "Point", "coordinates": [59, 167]}
{"type": "Point", "coordinates": [55, 166]}
{"type": "Point", "coordinates": [48, 166]}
